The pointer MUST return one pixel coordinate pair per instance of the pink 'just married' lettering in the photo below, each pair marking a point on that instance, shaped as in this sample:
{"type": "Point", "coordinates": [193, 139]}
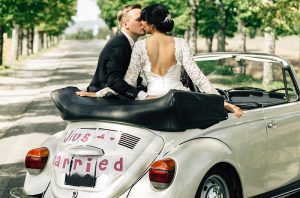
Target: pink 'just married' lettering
{"type": "Point", "coordinates": [89, 165]}
{"type": "Point", "coordinates": [85, 136]}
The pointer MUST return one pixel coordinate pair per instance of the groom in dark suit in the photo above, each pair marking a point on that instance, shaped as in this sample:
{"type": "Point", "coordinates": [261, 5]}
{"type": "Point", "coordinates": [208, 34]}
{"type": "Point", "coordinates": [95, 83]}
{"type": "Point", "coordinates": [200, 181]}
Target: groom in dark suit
{"type": "Point", "coordinates": [114, 59]}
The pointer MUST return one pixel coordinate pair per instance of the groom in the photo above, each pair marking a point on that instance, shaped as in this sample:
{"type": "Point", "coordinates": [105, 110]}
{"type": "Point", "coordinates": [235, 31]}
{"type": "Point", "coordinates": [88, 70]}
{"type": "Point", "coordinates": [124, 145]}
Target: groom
{"type": "Point", "coordinates": [114, 59]}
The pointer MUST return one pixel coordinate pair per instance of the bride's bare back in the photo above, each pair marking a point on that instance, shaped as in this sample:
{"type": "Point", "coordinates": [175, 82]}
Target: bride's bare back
{"type": "Point", "coordinates": [161, 53]}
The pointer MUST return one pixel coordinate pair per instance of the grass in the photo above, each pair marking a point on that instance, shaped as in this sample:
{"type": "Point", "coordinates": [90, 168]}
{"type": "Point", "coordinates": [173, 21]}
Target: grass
{"type": "Point", "coordinates": [208, 67]}
{"type": "Point", "coordinates": [4, 67]}
{"type": "Point", "coordinates": [222, 75]}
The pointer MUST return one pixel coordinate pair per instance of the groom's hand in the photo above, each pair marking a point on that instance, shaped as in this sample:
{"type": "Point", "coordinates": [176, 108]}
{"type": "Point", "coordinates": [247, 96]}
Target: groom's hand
{"type": "Point", "coordinates": [150, 97]}
{"type": "Point", "coordinates": [86, 94]}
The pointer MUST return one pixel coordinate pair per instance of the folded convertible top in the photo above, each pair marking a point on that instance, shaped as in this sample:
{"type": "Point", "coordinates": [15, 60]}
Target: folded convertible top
{"type": "Point", "coordinates": [175, 111]}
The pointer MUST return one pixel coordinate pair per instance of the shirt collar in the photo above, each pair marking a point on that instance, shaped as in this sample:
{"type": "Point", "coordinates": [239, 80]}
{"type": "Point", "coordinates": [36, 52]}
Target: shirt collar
{"type": "Point", "coordinates": [131, 41]}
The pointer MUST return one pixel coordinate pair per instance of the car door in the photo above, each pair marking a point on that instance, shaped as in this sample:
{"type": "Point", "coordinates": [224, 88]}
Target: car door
{"type": "Point", "coordinates": [283, 131]}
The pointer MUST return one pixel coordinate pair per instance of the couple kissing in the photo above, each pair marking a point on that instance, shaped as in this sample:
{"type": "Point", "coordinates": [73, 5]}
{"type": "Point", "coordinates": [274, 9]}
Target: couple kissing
{"type": "Point", "coordinates": [160, 58]}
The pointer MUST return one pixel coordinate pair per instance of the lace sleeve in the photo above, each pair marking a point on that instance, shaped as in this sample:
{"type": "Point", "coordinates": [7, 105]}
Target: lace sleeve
{"type": "Point", "coordinates": [194, 72]}
{"type": "Point", "coordinates": [135, 66]}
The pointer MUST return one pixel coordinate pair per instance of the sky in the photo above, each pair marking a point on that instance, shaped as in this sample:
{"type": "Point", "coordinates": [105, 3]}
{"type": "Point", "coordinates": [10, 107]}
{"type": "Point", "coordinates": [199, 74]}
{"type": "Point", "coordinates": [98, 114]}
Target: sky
{"type": "Point", "coordinates": [87, 10]}
{"type": "Point", "coordinates": [87, 17]}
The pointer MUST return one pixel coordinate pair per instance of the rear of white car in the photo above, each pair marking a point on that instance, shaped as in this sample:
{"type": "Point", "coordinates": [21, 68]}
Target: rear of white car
{"type": "Point", "coordinates": [171, 149]}
{"type": "Point", "coordinates": [100, 159]}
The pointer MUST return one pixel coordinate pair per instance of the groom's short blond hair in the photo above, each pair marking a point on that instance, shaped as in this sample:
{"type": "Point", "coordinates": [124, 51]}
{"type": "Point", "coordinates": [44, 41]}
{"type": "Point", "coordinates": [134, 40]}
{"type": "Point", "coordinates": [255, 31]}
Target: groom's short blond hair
{"type": "Point", "coordinates": [123, 13]}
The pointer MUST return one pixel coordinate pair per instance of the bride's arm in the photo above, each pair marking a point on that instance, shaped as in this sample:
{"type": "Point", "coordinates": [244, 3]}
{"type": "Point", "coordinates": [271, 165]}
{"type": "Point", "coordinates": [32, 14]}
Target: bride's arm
{"type": "Point", "coordinates": [194, 72]}
{"type": "Point", "coordinates": [135, 66]}
{"type": "Point", "coordinates": [134, 69]}
{"type": "Point", "coordinates": [200, 80]}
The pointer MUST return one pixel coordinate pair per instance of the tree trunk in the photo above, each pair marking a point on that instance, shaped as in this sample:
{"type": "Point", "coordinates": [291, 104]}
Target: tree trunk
{"type": "Point", "coordinates": [30, 40]}
{"type": "Point", "coordinates": [51, 40]}
{"type": "Point", "coordinates": [25, 43]}
{"type": "Point", "coordinates": [36, 41]}
{"type": "Point", "coordinates": [1, 45]}
{"type": "Point", "coordinates": [221, 40]}
{"type": "Point", "coordinates": [241, 36]}
{"type": "Point", "coordinates": [42, 40]}
{"type": "Point", "coordinates": [209, 42]}
{"type": "Point", "coordinates": [187, 36]}
{"type": "Point", "coordinates": [20, 41]}
{"type": "Point", "coordinates": [221, 35]}
{"type": "Point", "coordinates": [269, 37]}
{"type": "Point", "coordinates": [55, 40]}
{"type": "Point", "coordinates": [193, 36]}
{"type": "Point", "coordinates": [14, 45]}
{"type": "Point", "coordinates": [47, 40]}
{"type": "Point", "coordinates": [41, 37]}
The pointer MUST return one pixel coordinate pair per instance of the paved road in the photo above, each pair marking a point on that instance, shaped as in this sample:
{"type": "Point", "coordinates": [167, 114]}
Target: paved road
{"type": "Point", "coordinates": [27, 114]}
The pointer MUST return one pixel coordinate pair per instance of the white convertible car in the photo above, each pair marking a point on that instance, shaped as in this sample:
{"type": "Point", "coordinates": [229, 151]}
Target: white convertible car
{"type": "Point", "coordinates": [182, 145]}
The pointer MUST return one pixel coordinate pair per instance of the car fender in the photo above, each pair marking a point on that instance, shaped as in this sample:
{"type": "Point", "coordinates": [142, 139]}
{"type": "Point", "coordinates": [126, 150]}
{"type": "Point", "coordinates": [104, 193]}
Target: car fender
{"type": "Point", "coordinates": [196, 157]}
{"type": "Point", "coordinates": [36, 184]}
{"type": "Point", "coordinates": [200, 155]}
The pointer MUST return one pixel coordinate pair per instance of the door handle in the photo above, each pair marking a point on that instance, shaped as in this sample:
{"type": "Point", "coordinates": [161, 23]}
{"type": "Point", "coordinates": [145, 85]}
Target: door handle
{"type": "Point", "coordinates": [272, 124]}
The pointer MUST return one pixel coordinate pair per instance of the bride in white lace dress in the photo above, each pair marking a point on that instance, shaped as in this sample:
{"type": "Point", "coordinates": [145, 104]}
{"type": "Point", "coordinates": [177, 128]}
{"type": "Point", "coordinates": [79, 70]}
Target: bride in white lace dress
{"type": "Point", "coordinates": [160, 59]}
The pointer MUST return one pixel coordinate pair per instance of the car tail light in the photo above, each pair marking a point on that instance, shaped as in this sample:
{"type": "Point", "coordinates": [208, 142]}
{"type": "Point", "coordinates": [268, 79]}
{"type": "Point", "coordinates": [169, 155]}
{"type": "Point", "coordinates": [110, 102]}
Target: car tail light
{"type": "Point", "coordinates": [161, 173]}
{"type": "Point", "coordinates": [36, 160]}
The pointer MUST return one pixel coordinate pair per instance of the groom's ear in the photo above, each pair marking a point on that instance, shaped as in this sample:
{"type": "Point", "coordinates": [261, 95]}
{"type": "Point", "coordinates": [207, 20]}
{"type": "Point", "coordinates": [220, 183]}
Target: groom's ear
{"type": "Point", "coordinates": [125, 24]}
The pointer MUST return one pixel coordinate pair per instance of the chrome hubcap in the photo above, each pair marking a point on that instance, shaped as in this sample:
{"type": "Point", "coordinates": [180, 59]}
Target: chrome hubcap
{"type": "Point", "coordinates": [215, 187]}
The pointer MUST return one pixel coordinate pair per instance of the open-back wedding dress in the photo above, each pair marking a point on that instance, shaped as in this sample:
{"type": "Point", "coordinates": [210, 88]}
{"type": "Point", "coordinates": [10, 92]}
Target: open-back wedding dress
{"type": "Point", "coordinates": [158, 85]}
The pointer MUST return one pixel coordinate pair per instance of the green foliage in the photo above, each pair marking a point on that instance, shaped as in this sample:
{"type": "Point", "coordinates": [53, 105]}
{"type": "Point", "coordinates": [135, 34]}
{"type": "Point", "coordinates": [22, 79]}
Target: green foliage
{"type": "Point", "coordinates": [249, 13]}
{"type": "Point", "coordinates": [283, 16]}
{"type": "Point", "coordinates": [224, 71]}
{"type": "Point", "coordinates": [207, 67]}
{"type": "Point", "coordinates": [28, 13]}
{"type": "Point", "coordinates": [182, 22]}
{"type": "Point", "coordinates": [51, 16]}
{"type": "Point", "coordinates": [179, 11]}
{"type": "Point", "coordinates": [178, 8]}
{"type": "Point", "coordinates": [236, 79]}
{"type": "Point", "coordinates": [274, 85]}
{"type": "Point", "coordinates": [57, 16]}
{"type": "Point", "coordinates": [7, 12]}
{"type": "Point", "coordinates": [208, 21]}
{"type": "Point", "coordinates": [213, 16]}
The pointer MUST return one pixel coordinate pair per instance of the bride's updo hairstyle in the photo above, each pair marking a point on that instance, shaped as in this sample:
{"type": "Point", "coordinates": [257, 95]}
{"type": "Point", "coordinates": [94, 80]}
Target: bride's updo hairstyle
{"type": "Point", "coordinates": [159, 16]}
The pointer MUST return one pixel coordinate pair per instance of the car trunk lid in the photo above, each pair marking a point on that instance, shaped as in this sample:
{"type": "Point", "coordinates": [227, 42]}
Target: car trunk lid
{"type": "Point", "coordinates": [108, 158]}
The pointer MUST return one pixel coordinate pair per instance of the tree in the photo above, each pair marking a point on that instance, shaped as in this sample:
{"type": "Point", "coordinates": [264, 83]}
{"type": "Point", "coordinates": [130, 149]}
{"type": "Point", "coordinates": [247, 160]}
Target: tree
{"type": "Point", "coordinates": [22, 17]}
{"type": "Point", "coordinates": [57, 16]}
{"type": "Point", "coordinates": [217, 17]}
{"type": "Point", "coordinates": [194, 4]}
{"type": "Point", "coordinates": [178, 8]}
{"type": "Point", "coordinates": [26, 14]}
{"type": "Point", "coordinates": [6, 21]}
{"type": "Point", "coordinates": [227, 22]}
{"type": "Point", "coordinates": [278, 18]}
{"type": "Point", "coordinates": [248, 17]}
{"type": "Point", "coordinates": [208, 22]}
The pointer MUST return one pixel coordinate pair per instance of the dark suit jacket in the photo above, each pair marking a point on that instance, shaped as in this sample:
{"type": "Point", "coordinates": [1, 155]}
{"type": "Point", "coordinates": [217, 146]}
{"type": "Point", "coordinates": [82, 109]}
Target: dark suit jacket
{"type": "Point", "coordinates": [112, 65]}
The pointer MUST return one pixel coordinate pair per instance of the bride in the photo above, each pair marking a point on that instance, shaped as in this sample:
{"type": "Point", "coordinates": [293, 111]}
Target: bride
{"type": "Point", "coordinates": [161, 58]}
